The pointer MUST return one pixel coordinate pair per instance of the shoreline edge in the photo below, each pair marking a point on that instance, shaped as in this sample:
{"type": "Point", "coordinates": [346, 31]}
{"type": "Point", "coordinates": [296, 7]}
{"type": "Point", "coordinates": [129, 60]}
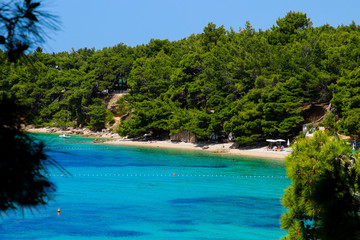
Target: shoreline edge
{"type": "Point", "coordinates": [214, 148]}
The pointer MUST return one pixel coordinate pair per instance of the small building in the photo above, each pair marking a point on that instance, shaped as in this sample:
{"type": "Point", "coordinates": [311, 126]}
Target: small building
{"type": "Point", "coordinates": [119, 86]}
{"type": "Point", "coordinates": [184, 136]}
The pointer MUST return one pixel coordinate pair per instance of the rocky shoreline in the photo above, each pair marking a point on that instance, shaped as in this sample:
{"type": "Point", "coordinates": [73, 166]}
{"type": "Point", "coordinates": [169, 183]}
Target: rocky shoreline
{"type": "Point", "coordinates": [84, 132]}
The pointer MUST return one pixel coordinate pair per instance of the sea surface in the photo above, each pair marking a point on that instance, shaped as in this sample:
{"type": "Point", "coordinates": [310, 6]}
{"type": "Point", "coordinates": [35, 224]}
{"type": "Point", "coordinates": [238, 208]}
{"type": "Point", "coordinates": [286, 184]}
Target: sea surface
{"type": "Point", "coordinates": [119, 192]}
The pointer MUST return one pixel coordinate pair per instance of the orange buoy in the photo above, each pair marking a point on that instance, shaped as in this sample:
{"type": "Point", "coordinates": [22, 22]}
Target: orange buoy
{"type": "Point", "coordinates": [174, 174]}
{"type": "Point", "coordinates": [63, 175]}
{"type": "Point", "coordinates": [58, 210]}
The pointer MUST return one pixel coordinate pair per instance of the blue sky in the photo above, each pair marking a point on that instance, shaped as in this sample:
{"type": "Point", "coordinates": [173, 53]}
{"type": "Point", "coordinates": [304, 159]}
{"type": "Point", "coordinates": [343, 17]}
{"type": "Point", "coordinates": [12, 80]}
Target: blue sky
{"type": "Point", "coordinates": [105, 23]}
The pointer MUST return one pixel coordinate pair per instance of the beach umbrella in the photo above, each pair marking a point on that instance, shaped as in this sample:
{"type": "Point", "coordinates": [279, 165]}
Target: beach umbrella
{"type": "Point", "coordinates": [280, 141]}
{"type": "Point", "coordinates": [288, 142]}
{"type": "Point", "coordinates": [271, 141]}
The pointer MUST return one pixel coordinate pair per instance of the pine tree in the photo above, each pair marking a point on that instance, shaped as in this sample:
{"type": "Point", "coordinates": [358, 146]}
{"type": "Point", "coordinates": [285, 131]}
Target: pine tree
{"type": "Point", "coordinates": [322, 201]}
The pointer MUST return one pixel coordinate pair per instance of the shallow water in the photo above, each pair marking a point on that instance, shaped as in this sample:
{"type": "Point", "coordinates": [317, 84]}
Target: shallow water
{"type": "Point", "coordinates": [142, 193]}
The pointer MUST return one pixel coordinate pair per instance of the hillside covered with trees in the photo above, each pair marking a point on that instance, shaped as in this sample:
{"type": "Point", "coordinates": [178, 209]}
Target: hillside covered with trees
{"type": "Point", "coordinates": [252, 84]}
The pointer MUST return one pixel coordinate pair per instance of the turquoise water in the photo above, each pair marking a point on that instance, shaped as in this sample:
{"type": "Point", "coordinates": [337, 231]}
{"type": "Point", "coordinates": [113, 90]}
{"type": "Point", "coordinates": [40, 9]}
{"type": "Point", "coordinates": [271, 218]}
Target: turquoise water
{"type": "Point", "coordinates": [132, 193]}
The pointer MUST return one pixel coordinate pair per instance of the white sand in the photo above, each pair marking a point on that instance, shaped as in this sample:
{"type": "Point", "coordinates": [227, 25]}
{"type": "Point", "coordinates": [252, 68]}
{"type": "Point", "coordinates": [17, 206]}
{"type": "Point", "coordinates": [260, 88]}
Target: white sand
{"type": "Point", "coordinates": [218, 148]}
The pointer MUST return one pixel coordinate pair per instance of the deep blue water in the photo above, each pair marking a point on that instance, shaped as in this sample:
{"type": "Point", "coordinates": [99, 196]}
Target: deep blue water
{"type": "Point", "coordinates": [132, 193]}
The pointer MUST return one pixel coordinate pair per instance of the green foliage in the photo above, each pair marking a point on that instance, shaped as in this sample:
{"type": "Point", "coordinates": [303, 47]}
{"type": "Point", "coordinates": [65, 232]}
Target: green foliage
{"type": "Point", "coordinates": [346, 101]}
{"type": "Point", "coordinates": [330, 121]}
{"type": "Point", "coordinates": [62, 118]}
{"type": "Point", "coordinates": [24, 162]}
{"type": "Point", "coordinates": [289, 26]}
{"type": "Point", "coordinates": [323, 199]}
{"type": "Point", "coordinates": [98, 115]}
{"type": "Point", "coordinates": [250, 83]}
{"type": "Point", "coordinates": [148, 116]}
{"type": "Point", "coordinates": [23, 24]}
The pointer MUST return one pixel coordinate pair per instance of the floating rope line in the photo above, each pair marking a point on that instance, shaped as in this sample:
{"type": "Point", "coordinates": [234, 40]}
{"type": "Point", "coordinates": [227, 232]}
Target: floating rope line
{"type": "Point", "coordinates": [167, 175]}
{"type": "Point", "coordinates": [76, 148]}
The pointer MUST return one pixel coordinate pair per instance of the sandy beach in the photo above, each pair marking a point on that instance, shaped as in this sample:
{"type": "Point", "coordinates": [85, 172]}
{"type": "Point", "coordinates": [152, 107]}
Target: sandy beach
{"type": "Point", "coordinates": [215, 148]}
